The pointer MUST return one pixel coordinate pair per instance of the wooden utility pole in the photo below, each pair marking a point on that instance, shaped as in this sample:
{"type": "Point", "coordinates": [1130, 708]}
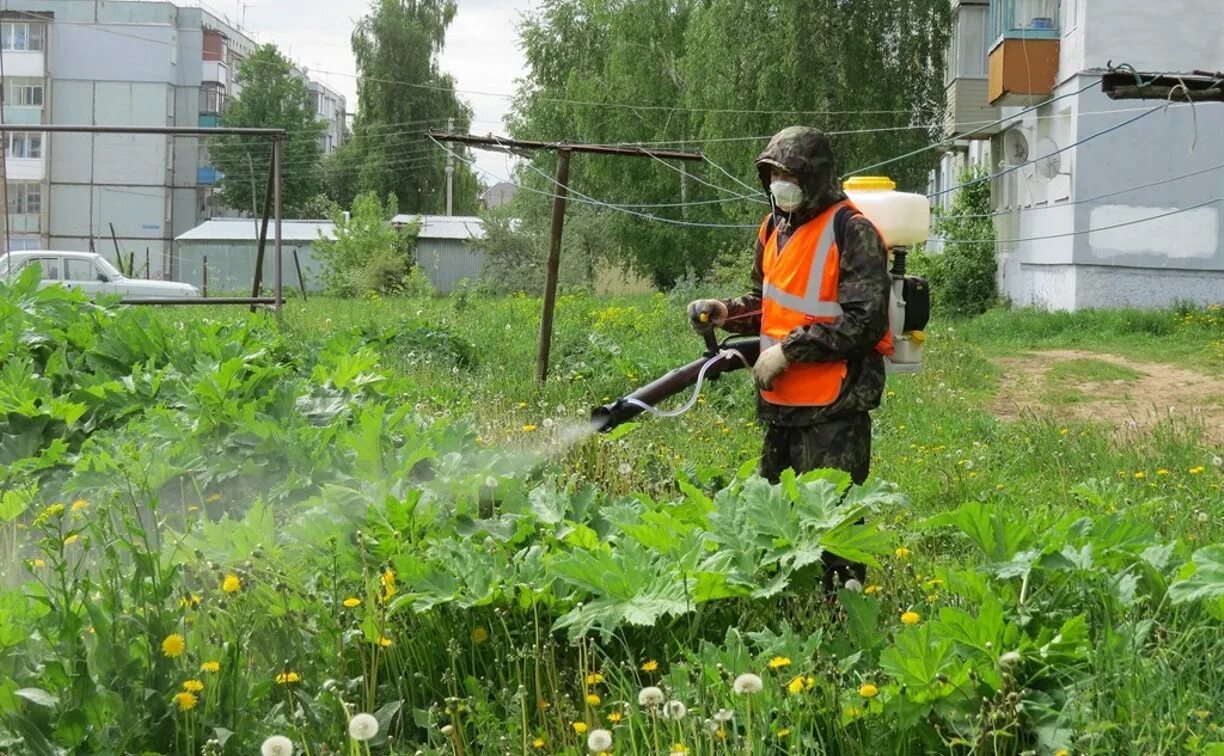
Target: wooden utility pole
{"type": "Point", "coordinates": [564, 150]}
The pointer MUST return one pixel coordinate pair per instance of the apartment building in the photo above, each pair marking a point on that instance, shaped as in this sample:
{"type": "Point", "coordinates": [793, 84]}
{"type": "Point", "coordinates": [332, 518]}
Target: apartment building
{"type": "Point", "coordinates": [1096, 201]}
{"type": "Point", "coordinates": [87, 62]}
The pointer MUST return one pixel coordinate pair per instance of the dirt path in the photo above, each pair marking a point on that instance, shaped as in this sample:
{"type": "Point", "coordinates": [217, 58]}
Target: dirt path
{"type": "Point", "coordinates": [1153, 393]}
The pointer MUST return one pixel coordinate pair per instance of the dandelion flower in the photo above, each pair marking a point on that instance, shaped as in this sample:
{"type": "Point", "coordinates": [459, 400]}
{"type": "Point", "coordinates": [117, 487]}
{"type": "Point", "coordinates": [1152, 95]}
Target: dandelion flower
{"type": "Point", "coordinates": [210, 666]}
{"type": "Point", "coordinates": [539, 743]}
{"type": "Point", "coordinates": [678, 749]}
{"type": "Point", "coordinates": [854, 585]}
{"type": "Point", "coordinates": [615, 717]}
{"type": "Point", "coordinates": [579, 727]}
{"type": "Point", "coordinates": [193, 686]}
{"type": "Point", "coordinates": [71, 539]}
{"type": "Point", "coordinates": [363, 727]}
{"type": "Point", "coordinates": [39, 563]}
{"type": "Point", "coordinates": [529, 428]}
{"type": "Point", "coordinates": [479, 635]}
{"type": "Point", "coordinates": [871, 590]}
{"type": "Point", "coordinates": [778, 662]}
{"type": "Point", "coordinates": [1140, 475]}
{"type": "Point", "coordinates": [79, 504]}
{"type": "Point", "coordinates": [1196, 470]}
{"type": "Point", "coordinates": [748, 683]}
{"type": "Point", "coordinates": [650, 696]}
{"type": "Point", "coordinates": [231, 584]}
{"type": "Point", "coordinates": [1062, 752]}
{"type": "Point", "coordinates": [784, 732]}
{"type": "Point", "coordinates": [592, 699]}
{"type": "Point", "coordinates": [910, 618]}
{"type": "Point", "coordinates": [594, 678]}
{"type": "Point", "coordinates": [352, 602]}
{"type": "Point", "coordinates": [599, 741]}
{"type": "Point", "coordinates": [185, 701]}
{"type": "Point", "coordinates": [174, 645]}
{"type": "Point", "coordinates": [288, 678]}
{"type": "Point", "coordinates": [388, 584]}
{"type": "Point", "coordinates": [1162, 471]}
{"type": "Point", "coordinates": [674, 710]}
{"type": "Point", "coordinates": [867, 690]}
{"type": "Point", "coordinates": [902, 552]}
{"type": "Point", "coordinates": [385, 642]}
{"type": "Point", "coordinates": [650, 666]}
{"type": "Point", "coordinates": [277, 745]}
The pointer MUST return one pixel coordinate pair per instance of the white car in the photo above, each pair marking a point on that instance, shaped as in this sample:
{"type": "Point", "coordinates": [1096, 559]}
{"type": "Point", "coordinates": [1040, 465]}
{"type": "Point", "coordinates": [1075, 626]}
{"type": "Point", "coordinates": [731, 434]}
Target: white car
{"type": "Point", "coordinates": [91, 273]}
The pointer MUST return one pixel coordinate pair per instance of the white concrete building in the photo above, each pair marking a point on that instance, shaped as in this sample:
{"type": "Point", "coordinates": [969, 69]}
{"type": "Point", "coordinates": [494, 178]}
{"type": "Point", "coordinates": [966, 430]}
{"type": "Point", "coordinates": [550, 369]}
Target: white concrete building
{"type": "Point", "coordinates": [1078, 196]}
{"type": "Point", "coordinates": [87, 62]}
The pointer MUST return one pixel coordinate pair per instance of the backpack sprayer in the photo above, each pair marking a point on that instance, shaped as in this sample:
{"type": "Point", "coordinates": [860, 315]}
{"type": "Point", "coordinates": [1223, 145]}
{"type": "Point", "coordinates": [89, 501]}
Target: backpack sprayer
{"type": "Point", "coordinates": [903, 220]}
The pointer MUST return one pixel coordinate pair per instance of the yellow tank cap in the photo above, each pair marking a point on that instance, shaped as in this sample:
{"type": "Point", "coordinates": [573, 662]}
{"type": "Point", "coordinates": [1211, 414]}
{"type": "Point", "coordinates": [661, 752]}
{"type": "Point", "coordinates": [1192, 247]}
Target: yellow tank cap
{"type": "Point", "coordinates": [868, 183]}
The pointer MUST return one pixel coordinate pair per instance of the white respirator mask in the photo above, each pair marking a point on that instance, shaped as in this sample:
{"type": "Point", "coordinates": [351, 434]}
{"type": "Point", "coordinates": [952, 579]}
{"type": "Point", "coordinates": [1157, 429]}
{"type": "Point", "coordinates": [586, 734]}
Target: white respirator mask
{"type": "Point", "coordinates": [787, 196]}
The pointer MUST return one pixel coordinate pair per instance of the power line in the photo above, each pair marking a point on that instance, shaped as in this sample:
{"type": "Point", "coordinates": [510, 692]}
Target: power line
{"type": "Point", "coordinates": [1088, 230]}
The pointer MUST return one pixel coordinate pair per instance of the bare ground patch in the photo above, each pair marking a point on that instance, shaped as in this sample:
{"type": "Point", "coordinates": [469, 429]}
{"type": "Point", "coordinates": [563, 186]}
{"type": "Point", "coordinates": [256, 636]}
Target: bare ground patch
{"type": "Point", "coordinates": [1154, 393]}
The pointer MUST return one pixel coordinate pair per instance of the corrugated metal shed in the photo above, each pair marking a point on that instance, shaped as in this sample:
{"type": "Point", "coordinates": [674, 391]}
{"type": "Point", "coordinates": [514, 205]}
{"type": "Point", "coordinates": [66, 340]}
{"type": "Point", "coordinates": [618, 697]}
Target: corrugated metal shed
{"type": "Point", "coordinates": [229, 244]}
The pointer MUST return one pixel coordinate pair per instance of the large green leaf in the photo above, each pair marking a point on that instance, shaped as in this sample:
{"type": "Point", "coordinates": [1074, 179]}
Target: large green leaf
{"type": "Point", "coordinates": [1202, 578]}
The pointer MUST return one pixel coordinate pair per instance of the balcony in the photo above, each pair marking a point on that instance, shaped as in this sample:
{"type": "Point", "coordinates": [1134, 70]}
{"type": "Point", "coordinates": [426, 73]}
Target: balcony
{"type": "Point", "coordinates": [968, 111]}
{"type": "Point", "coordinates": [207, 175]}
{"type": "Point", "coordinates": [215, 72]}
{"type": "Point", "coordinates": [1024, 53]}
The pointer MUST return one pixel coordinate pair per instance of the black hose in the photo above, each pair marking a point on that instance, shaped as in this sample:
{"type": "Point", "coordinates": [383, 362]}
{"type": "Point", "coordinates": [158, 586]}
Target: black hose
{"type": "Point", "coordinates": [607, 417]}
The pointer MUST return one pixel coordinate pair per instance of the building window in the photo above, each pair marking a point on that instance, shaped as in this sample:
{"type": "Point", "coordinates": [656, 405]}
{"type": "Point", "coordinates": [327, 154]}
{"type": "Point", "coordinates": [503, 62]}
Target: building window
{"type": "Point", "coordinates": [25, 198]}
{"type": "Point", "coordinates": [212, 98]}
{"type": "Point", "coordinates": [1035, 19]}
{"type": "Point", "coordinates": [23, 37]}
{"type": "Point", "coordinates": [23, 144]}
{"type": "Point", "coordinates": [23, 93]}
{"type": "Point", "coordinates": [24, 245]}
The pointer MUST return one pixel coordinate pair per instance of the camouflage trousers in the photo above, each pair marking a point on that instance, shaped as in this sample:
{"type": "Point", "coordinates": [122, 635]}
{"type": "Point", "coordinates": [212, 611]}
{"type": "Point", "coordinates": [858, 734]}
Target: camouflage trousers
{"type": "Point", "coordinates": [844, 444]}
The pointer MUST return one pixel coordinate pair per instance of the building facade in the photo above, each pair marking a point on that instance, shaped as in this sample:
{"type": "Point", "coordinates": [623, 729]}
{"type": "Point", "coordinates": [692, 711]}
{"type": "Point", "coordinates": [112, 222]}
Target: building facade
{"type": "Point", "coordinates": [136, 63]}
{"type": "Point", "coordinates": [1097, 202]}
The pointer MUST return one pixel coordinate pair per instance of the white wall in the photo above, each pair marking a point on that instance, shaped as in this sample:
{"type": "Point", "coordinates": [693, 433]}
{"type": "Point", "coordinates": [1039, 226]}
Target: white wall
{"type": "Point", "coordinates": [1169, 36]}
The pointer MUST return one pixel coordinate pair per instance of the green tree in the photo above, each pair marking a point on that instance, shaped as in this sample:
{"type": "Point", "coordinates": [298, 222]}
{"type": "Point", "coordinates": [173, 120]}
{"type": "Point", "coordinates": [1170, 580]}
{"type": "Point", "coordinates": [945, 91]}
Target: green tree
{"type": "Point", "coordinates": [401, 93]}
{"type": "Point", "coordinates": [963, 273]}
{"type": "Point", "coordinates": [274, 96]}
{"type": "Point", "coordinates": [721, 76]}
{"type": "Point", "coordinates": [366, 254]}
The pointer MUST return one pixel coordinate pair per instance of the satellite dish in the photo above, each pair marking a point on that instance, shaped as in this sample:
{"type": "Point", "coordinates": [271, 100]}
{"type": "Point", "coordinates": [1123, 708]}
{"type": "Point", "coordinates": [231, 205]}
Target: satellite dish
{"type": "Point", "coordinates": [1049, 164]}
{"type": "Point", "coordinates": [1015, 147]}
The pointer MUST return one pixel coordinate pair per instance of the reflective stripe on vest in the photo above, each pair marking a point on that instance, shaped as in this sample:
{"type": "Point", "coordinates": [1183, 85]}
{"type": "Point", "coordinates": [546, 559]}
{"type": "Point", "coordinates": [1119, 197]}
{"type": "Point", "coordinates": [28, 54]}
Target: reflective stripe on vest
{"type": "Point", "coordinates": [810, 303]}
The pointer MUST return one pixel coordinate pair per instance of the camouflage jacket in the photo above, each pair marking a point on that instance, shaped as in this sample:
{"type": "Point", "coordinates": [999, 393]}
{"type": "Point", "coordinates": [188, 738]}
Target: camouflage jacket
{"type": "Point", "coordinates": [863, 287]}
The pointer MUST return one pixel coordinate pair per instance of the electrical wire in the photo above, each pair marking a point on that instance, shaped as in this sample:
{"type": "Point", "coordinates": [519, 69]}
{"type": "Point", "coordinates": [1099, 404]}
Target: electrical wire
{"type": "Point", "coordinates": [1089, 230]}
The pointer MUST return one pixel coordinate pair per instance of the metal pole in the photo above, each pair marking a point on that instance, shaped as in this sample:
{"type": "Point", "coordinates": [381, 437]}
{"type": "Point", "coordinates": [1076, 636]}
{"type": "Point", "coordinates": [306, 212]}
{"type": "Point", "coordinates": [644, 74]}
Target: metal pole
{"type": "Point", "coordinates": [450, 173]}
{"type": "Point", "coordinates": [277, 147]}
{"type": "Point", "coordinates": [554, 264]}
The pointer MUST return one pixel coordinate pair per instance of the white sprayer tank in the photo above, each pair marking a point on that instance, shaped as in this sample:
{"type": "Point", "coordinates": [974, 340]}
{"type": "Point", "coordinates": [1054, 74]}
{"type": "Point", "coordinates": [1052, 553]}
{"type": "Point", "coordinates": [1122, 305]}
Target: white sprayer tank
{"type": "Point", "coordinates": [903, 220]}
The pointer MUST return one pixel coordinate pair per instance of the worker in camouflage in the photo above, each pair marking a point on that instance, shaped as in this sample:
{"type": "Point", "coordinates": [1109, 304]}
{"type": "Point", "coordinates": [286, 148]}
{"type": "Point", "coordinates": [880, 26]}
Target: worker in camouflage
{"type": "Point", "coordinates": [837, 435]}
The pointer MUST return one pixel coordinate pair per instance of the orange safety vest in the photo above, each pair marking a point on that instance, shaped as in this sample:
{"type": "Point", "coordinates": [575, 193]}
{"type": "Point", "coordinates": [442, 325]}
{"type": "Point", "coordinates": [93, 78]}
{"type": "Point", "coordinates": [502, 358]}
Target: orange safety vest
{"type": "Point", "coordinates": [800, 289]}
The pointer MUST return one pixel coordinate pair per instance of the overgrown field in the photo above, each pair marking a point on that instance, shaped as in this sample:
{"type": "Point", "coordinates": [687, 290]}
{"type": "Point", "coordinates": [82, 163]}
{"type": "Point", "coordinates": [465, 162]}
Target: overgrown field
{"type": "Point", "coordinates": [218, 528]}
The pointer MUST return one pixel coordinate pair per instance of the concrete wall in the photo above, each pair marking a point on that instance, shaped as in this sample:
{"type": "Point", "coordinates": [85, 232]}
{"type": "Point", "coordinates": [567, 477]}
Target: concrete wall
{"type": "Point", "coordinates": [1173, 36]}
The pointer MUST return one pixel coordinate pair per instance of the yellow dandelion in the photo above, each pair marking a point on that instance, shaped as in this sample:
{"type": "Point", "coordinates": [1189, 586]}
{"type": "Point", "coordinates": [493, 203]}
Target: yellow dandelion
{"type": "Point", "coordinates": [785, 731]}
{"type": "Point", "coordinates": [594, 678]}
{"type": "Point", "coordinates": [522, 405]}
{"type": "Point", "coordinates": [71, 539]}
{"type": "Point", "coordinates": [479, 635]}
{"type": "Point", "coordinates": [174, 645]}
{"type": "Point", "coordinates": [39, 562]}
{"type": "Point", "coordinates": [720, 733]}
{"type": "Point", "coordinates": [867, 690]}
{"type": "Point", "coordinates": [1063, 431]}
{"type": "Point", "coordinates": [231, 583]}
{"type": "Point", "coordinates": [650, 666]}
{"type": "Point", "coordinates": [593, 699]}
{"type": "Point", "coordinates": [79, 505]}
{"type": "Point", "coordinates": [544, 706]}
{"type": "Point", "coordinates": [679, 748]}
{"type": "Point", "coordinates": [902, 552]}
{"type": "Point", "coordinates": [538, 743]}
{"type": "Point", "coordinates": [193, 686]}
{"type": "Point", "coordinates": [778, 662]}
{"type": "Point", "coordinates": [352, 602]}
{"type": "Point", "coordinates": [853, 712]}
{"type": "Point", "coordinates": [529, 428]}
{"type": "Point", "coordinates": [213, 498]}
{"type": "Point", "coordinates": [385, 641]}
{"type": "Point", "coordinates": [1062, 752]}
{"type": "Point", "coordinates": [288, 678]}
{"type": "Point", "coordinates": [873, 589]}
{"type": "Point", "coordinates": [1162, 471]}
{"type": "Point", "coordinates": [1140, 475]}
{"type": "Point", "coordinates": [185, 701]}
{"type": "Point", "coordinates": [388, 584]}
{"type": "Point", "coordinates": [795, 686]}
{"type": "Point", "coordinates": [615, 717]}
{"type": "Point", "coordinates": [910, 618]}
{"type": "Point", "coordinates": [580, 727]}
{"type": "Point", "coordinates": [1196, 470]}
{"type": "Point", "coordinates": [211, 666]}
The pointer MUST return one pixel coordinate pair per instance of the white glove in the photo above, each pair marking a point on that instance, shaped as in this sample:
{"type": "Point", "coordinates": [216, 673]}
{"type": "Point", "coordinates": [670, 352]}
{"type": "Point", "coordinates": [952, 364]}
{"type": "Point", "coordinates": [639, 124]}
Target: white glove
{"type": "Point", "coordinates": [768, 367]}
{"type": "Point", "coordinates": [706, 314]}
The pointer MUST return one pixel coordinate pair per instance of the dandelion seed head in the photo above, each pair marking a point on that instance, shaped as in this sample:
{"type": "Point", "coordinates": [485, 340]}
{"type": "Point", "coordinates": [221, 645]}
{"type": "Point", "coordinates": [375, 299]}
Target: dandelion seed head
{"type": "Point", "coordinates": [363, 727]}
{"type": "Point", "coordinates": [748, 684]}
{"type": "Point", "coordinates": [674, 710]}
{"type": "Point", "coordinates": [599, 741]}
{"type": "Point", "coordinates": [277, 745]}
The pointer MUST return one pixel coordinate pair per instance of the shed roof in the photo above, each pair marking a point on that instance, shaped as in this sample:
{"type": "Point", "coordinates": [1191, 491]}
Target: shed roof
{"type": "Point", "coordinates": [247, 229]}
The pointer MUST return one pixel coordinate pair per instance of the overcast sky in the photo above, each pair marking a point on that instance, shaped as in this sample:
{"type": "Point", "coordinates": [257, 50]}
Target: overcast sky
{"type": "Point", "coordinates": [481, 51]}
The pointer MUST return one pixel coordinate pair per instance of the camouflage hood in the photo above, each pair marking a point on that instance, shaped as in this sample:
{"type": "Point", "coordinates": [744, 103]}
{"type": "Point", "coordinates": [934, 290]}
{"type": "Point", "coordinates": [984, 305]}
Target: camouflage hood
{"type": "Point", "coordinates": [806, 153]}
